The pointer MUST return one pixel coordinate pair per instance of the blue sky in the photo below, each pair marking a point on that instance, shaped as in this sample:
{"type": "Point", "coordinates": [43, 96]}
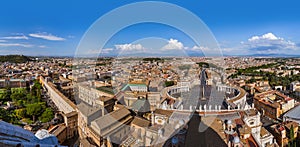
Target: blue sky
{"type": "Point", "coordinates": [55, 27]}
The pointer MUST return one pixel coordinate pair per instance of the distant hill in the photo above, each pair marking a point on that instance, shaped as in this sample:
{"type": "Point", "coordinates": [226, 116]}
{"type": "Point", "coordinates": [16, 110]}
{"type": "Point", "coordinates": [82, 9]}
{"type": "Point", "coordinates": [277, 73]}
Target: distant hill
{"type": "Point", "coordinates": [15, 58]}
{"type": "Point", "coordinates": [275, 55]}
{"type": "Point", "coordinates": [268, 55]}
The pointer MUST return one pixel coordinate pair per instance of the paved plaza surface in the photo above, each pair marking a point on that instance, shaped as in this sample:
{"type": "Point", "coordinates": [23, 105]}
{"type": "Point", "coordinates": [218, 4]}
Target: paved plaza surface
{"type": "Point", "coordinates": [195, 138]}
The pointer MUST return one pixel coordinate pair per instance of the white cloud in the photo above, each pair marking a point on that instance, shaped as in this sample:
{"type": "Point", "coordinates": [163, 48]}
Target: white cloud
{"type": "Point", "coordinates": [268, 36]}
{"type": "Point", "coordinates": [47, 36]}
{"type": "Point", "coordinates": [71, 36]}
{"type": "Point", "coordinates": [15, 45]}
{"type": "Point", "coordinates": [200, 48]}
{"type": "Point", "coordinates": [173, 44]}
{"type": "Point", "coordinates": [16, 37]}
{"type": "Point", "coordinates": [97, 52]}
{"type": "Point", "coordinates": [92, 52]}
{"type": "Point", "coordinates": [107, 50]}
{"type": "Point", "coordinates": [42, 46]}
{"type": "Point", "coordinates": [129, 47]}
{"type": "Point", "coordinates": [3, 41]}
{"type": "Point", "coordinates": [268, 43]}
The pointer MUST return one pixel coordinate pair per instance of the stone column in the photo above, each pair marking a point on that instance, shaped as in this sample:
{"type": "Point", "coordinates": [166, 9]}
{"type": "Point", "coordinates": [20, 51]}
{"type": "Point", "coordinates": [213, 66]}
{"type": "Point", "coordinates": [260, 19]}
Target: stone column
{"type": "Point", "coordinates": [152, 117]}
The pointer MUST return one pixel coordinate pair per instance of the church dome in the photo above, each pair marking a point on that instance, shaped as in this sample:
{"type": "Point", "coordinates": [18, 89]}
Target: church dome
{"type": "Point", "coordinates": [236, 139]}
{"type": "Point", "coordinates": [175, 140]}
{"type": "Point", "coordinates": [229, 122]}
{"type": "Point", "coordinates": [45, 137]}
{"type": "Point", "coordinates": [181, 122]}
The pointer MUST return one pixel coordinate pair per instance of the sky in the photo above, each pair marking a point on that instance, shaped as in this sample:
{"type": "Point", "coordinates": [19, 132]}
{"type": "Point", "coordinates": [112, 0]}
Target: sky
{"type": "Point", "coordinates": [56, 27]}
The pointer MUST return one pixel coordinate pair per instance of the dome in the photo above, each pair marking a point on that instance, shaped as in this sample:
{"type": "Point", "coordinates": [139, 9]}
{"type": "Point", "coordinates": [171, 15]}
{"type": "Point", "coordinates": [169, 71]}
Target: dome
{"type": "Point", "coordinates": [41, 134]}
{"type": "Point", "coordinates": [181, 122]}
{"type": "Point", "coordinates": [45, 137]}
{"type": "Point", "coordinates": [164, 107]}
{"type": "Point", "coordinates": [175, 140]}
{"type": "Point", "coordinates": [236, 139]}
{"type": "Point", "coordinates": [229, 122]}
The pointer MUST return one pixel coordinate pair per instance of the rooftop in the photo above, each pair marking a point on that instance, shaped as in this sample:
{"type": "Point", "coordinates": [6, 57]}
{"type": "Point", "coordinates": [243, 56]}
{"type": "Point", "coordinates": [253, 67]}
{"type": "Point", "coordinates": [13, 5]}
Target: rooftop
{"type": "Point", "coordinates": [251, 112]}
{"type": "Point", "coordinates": [87, 110]}
{"type": "Point", "coordinates": [111, 118]}
{"type": "Point", "coordinates": [105, 98]}
{"type": "Point", "coordinates": [293, 114]}
{"type": "Point", "coordinates": [272, 98]}
{"type": "Point", "coordinates": [141, 105]}
{"type": "Point", "coordinates": [140, 122]}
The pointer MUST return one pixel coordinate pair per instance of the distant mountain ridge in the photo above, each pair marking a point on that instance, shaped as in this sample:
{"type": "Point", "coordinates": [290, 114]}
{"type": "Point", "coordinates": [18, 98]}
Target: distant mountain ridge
{"type": "Point", "coordinates": [197, 54]}
{"type": "Point", "coordinates": [15, 58]}
{"type": "Point", "coordinates": [23, 58]}
{"type": "Point", "coordinates": [275, 55]}
{"type": "Point", "coordinates": [266, 55]}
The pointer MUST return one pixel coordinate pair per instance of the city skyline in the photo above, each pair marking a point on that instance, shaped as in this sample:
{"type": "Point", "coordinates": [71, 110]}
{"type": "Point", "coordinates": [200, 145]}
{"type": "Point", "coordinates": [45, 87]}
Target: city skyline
{"type": "Point", "coordinates": [165, 73]}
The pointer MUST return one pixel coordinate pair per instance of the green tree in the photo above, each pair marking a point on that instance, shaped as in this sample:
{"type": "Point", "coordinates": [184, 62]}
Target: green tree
{"type": "Point", "coordinates": [14, 58]}
{"type": "Point", "coordinates": [20, 103]}
{"type": "Point", "coordinates": [17, 96]}
{"type": "Point", "coordinates": [47, 115]}
{"type": "Point", "coordinates": [292, 138]}
{"type": "Point", "coordinates": [5, 96]}
{"type": "Point", "coordinates": [31, 98]}
{"type": "Point", "coordinates": [35, 109]}
{"type": "Point", "coordinates": [252, 80]}
{"type": "Point", "coordinates": [169, 83]}
{"type": "Point", "coordinates": [18, 90]}
{"type": "Point", "coordinates": [20, 113]}
{"type": "Point", "coordinates": [36, 90]}
{"type": "Point", "coordinates": [4, 115]}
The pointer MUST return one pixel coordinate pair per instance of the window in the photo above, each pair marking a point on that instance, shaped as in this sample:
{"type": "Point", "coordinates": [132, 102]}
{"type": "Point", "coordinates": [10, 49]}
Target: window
{"type": "Point", "coordinates": [251, 123]}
